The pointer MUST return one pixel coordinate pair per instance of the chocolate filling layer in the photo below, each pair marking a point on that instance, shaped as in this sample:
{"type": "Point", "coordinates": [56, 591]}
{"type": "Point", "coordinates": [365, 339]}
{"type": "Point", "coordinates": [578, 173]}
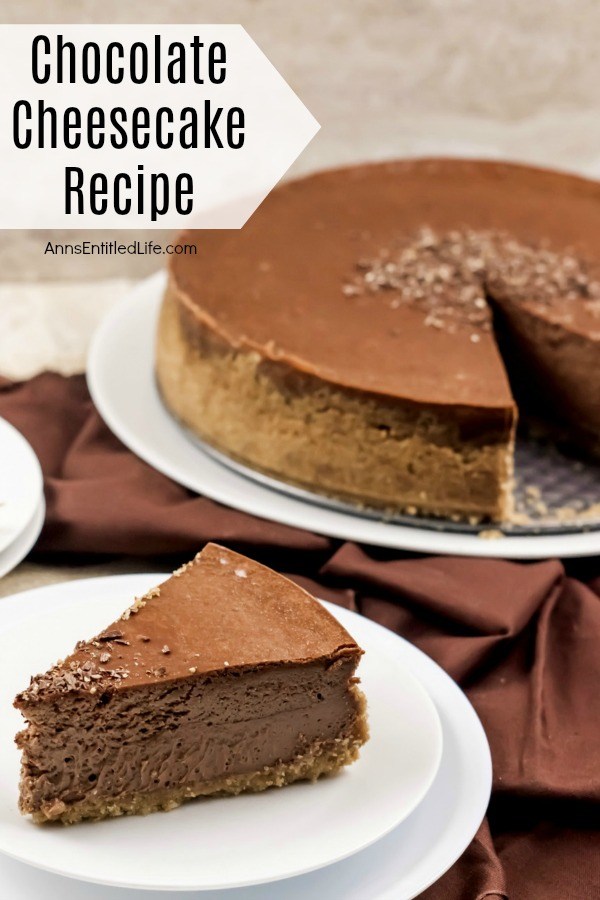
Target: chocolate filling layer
{"type": "Point", "coordinates": [182, 735]}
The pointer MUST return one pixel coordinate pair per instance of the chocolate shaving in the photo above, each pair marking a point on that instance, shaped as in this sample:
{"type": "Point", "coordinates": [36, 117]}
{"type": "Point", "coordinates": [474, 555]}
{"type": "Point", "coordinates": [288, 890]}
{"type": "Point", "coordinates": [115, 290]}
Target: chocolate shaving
{"type": "Point", "coordinates": [110, 636]}
{"type": "Point", "coordinates": [449, 277]}
{"type": "Point", "coordinates": [157, 672]}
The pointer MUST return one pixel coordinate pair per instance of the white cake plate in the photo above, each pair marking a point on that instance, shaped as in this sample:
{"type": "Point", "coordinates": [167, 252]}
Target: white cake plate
{"type": "Point", "coordinates": [121, 381]}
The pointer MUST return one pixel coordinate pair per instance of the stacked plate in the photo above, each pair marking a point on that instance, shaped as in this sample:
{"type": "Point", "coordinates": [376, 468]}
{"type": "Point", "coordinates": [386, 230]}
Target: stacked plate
{"type": "Point", "coordinates": [384, 829]}
{"type": "Point", "coordinates": [22, 506]}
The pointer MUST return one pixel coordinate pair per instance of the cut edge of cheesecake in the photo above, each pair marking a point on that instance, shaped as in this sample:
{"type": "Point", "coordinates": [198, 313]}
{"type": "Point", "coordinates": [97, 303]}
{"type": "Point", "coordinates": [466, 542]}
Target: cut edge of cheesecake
{"type": "Point", "coordinates": [320, 759]}
{"type": "Point", "coordinates": [226, 678]}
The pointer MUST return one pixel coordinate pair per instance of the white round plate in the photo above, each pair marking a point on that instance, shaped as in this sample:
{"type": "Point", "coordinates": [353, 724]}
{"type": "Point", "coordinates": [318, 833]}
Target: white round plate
{"type": "Point", "coordinates": [21, 484]}
{"type": "Point", "coordinates": [397, 867]}
{"type": "Point", "coordinates": [121, 381]}
{"type": "Point", "coordinates": [16, 552]}
{"type": "Point", "coordinates": [221, 843]}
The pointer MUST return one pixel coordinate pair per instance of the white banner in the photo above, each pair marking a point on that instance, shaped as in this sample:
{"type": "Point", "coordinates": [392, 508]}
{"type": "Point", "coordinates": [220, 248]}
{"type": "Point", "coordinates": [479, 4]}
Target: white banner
{"type": "Point", "coordinates": [141, 126]}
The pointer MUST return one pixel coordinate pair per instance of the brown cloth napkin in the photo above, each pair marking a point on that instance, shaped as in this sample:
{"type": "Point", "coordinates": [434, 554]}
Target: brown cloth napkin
{"type": "Point", "coordinates": [523, 640]}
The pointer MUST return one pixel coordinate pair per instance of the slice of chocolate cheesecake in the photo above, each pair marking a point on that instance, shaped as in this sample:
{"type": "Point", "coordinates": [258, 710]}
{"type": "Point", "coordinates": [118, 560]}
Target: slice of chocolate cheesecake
{"type": "Point", "coordinates": [225, 678]}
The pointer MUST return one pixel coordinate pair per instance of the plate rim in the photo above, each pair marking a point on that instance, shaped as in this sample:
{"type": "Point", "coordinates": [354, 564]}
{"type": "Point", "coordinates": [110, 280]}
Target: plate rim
{"type": "Point", "coordinates": [144, 300]}
{"type": "Point", "coordinates": [33, 465]}
{"type": "Point", "coordinates": [72, 590]}
{"type": "Point", "coordinates": [22, 545]}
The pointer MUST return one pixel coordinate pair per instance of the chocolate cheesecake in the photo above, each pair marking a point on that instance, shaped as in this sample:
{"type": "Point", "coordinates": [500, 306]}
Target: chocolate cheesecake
{"type": "Point", "coordinates": [225, 678]}
{"type": "Point", "coordinates": [372, 331]}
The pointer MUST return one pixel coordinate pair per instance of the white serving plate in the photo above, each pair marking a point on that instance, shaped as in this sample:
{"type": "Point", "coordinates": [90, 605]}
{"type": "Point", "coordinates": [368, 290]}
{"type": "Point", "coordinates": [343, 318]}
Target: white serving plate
{"type": "Point", "coordinates": [16, 552]}
{"type": "Point", "coordinates": [121, 381]}
{"type": "Point", "coordinates": [222, 841]}
{"type": "Point", "coordinates": [191, 848]}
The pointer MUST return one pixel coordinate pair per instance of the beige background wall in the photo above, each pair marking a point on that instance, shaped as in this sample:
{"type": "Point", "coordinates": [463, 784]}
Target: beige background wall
{"type": "Point", "coordinates": [389, 77]}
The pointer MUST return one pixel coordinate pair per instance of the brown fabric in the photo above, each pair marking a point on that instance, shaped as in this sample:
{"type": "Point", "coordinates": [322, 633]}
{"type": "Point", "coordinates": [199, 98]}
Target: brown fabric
{"type": "Point", "coordinates": [523, 640]}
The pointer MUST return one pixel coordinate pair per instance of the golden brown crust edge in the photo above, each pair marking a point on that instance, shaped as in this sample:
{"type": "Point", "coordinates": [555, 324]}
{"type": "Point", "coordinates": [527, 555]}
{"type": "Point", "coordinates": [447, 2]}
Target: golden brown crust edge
{"type": "Point", "coordinates": [356, 447]}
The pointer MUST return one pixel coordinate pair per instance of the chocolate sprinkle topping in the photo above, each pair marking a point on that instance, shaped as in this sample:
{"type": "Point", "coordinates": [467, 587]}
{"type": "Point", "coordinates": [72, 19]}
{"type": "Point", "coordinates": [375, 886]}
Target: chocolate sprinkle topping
{"type": "Point", "coordinates": [449, 277]}
{"type": "Point", "coordinates": [75, 677]}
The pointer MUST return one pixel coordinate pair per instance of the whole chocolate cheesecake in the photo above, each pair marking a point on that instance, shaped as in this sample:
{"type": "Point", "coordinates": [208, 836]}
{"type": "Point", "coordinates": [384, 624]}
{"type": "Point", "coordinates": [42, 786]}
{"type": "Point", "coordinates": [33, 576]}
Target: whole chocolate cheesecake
{"type": "Point", "coordinates": [372, 331]}
{"type": "Point", "coordinates": [225, 678]}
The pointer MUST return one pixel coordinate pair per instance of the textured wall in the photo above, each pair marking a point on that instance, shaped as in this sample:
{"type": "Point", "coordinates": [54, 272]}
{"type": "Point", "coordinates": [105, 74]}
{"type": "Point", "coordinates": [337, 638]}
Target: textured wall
{"type": "Point", "coordinates": [501, 78]}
